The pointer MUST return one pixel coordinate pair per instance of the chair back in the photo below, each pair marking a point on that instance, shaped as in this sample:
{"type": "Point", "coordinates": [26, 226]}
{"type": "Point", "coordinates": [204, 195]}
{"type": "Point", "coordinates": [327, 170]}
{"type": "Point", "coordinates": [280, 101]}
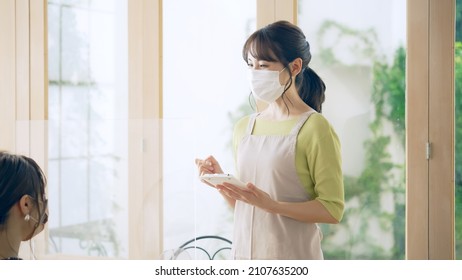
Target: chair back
{"type": "Point", "coordinates": [206, 247]}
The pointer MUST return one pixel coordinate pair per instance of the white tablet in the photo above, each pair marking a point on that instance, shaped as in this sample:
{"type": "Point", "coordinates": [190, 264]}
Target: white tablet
{"type": "Point", "coordinates": [219, 179]}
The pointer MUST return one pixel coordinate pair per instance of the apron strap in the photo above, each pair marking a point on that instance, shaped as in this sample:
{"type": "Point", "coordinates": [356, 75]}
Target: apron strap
{"type": "Point", "coordinates": [251, 123]}
{"type": "Point", "coordinates": [303, 118]}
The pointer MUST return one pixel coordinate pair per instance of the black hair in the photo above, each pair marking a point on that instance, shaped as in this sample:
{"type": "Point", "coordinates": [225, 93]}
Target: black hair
{"type": "Point", "coordinates": [19, 176]}
{"type": "Point", "coordinates": [283, 42]}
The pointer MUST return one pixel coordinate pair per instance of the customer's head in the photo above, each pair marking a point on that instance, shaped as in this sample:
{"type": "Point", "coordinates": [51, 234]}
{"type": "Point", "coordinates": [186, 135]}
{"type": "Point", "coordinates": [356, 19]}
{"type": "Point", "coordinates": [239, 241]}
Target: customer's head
{"type": "Point", "coordinates": [23, 204]}
{"type": "Point", "coordinates": [285, 42]}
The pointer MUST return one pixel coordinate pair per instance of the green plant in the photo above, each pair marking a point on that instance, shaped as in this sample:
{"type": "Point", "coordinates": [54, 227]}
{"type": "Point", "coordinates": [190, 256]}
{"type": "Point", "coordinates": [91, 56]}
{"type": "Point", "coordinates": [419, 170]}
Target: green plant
{"type": "Point", "coordinates": [381, 175]}
{"type": "Point", "coordinates": [361, 45]}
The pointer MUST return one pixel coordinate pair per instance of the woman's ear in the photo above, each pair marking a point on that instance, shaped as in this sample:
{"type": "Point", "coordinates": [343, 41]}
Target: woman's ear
{"type": "Point", "coordinates": [296, 66]}
{"type": "Point", "coordinates": [25, 204]}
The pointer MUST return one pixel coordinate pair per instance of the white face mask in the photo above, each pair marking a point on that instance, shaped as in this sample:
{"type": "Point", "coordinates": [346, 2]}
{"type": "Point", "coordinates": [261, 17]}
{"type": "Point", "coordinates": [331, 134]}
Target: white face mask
{"type": "Point", "coordinates": [265, 84]}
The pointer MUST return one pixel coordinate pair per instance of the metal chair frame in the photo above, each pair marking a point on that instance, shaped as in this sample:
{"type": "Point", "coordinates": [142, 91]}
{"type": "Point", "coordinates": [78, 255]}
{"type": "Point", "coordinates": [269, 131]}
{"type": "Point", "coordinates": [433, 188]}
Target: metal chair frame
{"type": "Point", "coordinates": [185, 246]}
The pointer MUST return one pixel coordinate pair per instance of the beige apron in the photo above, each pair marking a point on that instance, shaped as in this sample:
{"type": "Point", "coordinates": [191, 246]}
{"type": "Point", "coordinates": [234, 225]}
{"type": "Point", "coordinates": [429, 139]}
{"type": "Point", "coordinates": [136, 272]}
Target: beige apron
{"type": "Point", "coordinates": [268, 161]}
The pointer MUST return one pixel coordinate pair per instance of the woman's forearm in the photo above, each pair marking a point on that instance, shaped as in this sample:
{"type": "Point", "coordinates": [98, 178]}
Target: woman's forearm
{"type": "Point", "coordinates": [309, 211]}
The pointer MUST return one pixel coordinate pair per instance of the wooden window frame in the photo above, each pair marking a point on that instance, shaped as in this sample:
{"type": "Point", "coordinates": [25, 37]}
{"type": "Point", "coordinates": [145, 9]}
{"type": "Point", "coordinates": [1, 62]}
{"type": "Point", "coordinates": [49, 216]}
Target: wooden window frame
{"type": "Point", "coordinates": [145, 129]}
{"type": "Point", "coordinates": [24, 85]}
{"type": "Point", "coordinates": [269, 11]}
{"type": "Point", "coordinates": [430, 122]}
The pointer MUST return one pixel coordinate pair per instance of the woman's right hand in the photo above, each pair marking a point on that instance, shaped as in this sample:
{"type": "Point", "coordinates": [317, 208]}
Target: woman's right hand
{"type": "Point", "coordinates": [208, 165]}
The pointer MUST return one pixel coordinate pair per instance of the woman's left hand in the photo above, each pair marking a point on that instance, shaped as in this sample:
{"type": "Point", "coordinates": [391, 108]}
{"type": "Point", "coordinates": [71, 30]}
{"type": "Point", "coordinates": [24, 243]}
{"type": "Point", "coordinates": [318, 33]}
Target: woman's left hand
{"type": "Point", "coordinates": [249, 194]}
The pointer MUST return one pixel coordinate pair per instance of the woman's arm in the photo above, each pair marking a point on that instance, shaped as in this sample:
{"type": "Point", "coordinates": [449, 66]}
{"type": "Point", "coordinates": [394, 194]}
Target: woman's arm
{"type": "Point", "coordinates": [308, 211]}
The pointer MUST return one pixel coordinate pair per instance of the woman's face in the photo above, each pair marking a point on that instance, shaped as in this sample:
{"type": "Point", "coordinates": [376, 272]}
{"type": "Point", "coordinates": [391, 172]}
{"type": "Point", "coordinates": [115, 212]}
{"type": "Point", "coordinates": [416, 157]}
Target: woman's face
{"type": "Point", "coordinates": [257, 64]}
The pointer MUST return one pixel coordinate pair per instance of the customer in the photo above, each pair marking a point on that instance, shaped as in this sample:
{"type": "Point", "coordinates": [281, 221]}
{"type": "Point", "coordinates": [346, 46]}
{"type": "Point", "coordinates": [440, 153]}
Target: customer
{"type": "Point", "coordinates": [288, 153]}
{"type": "Point", "coordinates": [23, 204]}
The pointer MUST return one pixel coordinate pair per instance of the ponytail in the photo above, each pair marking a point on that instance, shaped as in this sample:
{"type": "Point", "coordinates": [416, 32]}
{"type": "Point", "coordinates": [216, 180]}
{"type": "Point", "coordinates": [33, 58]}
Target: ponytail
{"type": "Point", "coordinates": [311, 88]}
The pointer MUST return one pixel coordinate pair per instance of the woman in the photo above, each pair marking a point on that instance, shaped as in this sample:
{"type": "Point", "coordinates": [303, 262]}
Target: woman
{"type": "Point", "coordinates": [288, 153]}
{"type": "Point", "coordinates": [23, 205]}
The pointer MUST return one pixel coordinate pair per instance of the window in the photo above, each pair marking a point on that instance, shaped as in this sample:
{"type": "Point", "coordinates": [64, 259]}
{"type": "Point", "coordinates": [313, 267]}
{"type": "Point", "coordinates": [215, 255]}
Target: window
{"type": "Point", "coordinates": [360, 54]}
{"type": "Point", "coordinates": [87, 160]}
{"type": "Point", "coordinates": [205, 91]}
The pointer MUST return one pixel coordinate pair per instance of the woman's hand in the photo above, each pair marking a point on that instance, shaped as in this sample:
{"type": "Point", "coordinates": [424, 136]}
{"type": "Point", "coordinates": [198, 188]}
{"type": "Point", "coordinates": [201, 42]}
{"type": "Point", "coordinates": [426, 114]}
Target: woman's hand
{"type": "Point", "coordinates": [250, 194]}
{"type": "Point", "coordinates": [306, 211]}
{"type": "Point", "coordinates": [208, 165]}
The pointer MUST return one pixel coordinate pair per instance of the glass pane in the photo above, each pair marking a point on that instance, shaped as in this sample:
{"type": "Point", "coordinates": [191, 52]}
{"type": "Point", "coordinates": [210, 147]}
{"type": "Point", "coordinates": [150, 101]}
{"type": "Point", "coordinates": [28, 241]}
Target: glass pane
{"type": "Point", "coordinates": [87, 132]}
{"type": "Point", "coordinates": [205, 90]}
{"type": "Point", "coordinates": [458, 130]}
{"type": "Point", "coordinates": [358, 49]}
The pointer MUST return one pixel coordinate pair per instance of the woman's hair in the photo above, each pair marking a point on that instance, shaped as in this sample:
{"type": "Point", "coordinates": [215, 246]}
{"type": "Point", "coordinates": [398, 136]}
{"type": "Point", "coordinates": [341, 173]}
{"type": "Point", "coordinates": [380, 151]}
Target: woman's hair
{"type": "Point", "coordinates": [283, 42]}
{"type": "Point", "coordinates": [19, 175]}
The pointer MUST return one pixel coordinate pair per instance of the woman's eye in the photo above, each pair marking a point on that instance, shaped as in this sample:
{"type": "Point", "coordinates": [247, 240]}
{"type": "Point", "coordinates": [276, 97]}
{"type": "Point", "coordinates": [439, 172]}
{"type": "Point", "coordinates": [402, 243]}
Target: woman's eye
{"type": "Point", "coordinates": [263, 65]}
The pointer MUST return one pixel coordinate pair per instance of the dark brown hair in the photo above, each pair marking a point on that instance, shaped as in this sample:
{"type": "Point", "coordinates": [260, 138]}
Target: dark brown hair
{"type": "Point", "coordinates": [283, 42]}
{"type": "Point", "coordinates": [19, 175]}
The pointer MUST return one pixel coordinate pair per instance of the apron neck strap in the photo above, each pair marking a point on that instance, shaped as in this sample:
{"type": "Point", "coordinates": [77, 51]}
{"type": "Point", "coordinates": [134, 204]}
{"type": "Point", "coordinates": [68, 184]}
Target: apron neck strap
{"type": "Point", "coordinates": [301, 121]}
{"type": "Point", "coordinates": [251, 124]}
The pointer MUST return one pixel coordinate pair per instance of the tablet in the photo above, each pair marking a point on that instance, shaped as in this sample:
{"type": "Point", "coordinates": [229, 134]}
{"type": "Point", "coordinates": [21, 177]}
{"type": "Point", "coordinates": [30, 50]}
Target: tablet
{"type": "Point", "coordinates": [219, 179]}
